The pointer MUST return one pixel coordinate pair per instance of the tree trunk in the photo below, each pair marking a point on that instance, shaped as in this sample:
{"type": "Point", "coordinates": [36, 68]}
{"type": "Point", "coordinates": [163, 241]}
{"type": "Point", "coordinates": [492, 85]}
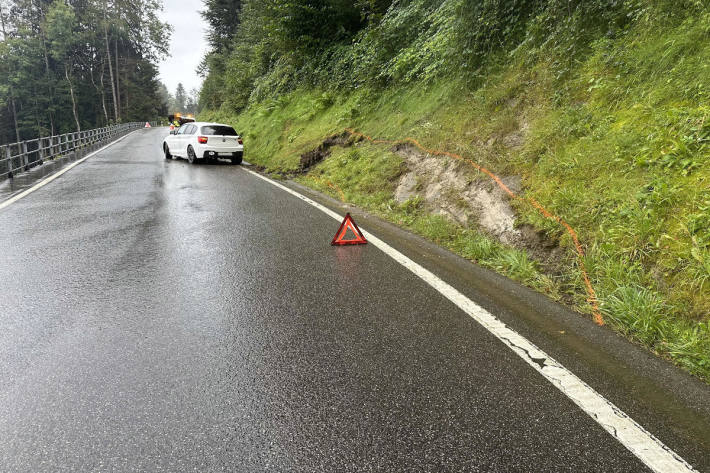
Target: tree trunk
{"type": "Point", "coordinates": [14, 119]}
{"type": "Point", "coordinates": [2, 24]}
{"type": "Point", "coordinates": [12, 99]}
{"type": "Point", "coordinates": [110, 71]}
{"type": "Point", "coordinates": [103, 98]}
{"type": "Point", "coordinates": [39, 126]}
{"type": "Point", "coordinates": [49, 86]}
{"type": "Point", "coordinates": [118, 75]}
{"type": "Point", "coordinates": [99, 90]}
{"type": "Point", "coordinates": [73, 100]}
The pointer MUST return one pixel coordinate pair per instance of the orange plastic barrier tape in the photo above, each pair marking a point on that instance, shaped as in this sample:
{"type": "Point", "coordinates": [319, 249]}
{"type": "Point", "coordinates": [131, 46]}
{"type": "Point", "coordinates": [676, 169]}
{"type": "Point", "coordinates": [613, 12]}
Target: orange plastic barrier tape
{"type": "Point", "coordinates": [331, 185]}
{"type": "Point", "coordinates": [591, 294]}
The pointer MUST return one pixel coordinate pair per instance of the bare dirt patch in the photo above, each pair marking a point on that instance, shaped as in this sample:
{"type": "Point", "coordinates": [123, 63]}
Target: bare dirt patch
{"type": "Point", "coordinates": [459, 192]}
{"type": "Point", "coordinates": [310, 158]}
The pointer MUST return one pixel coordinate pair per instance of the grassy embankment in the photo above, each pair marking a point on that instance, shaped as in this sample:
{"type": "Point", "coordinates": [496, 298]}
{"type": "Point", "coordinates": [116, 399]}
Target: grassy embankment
{"type": "Point", "coordinates": [618, 148]}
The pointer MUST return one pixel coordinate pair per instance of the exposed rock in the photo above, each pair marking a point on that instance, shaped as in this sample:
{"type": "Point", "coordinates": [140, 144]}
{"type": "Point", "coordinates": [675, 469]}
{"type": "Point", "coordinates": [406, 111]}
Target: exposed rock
{"type": "Point", "coordinates": [516, 138]}
{"type": "Point", "coordinates": [456, 190]}
{"type": "Point", "coordinates": [451, 188]}
{"type": "Point", "coordinates": [407, 187]}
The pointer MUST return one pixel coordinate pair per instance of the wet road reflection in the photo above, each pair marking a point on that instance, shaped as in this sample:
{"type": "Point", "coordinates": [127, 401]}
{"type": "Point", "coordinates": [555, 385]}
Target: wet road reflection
{"type": "Point", "coordinates": [159, 316]}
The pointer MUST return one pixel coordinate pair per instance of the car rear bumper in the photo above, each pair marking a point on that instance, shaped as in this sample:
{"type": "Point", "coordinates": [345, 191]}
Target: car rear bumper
{"type": "Point", "coordinates": [212, 154]}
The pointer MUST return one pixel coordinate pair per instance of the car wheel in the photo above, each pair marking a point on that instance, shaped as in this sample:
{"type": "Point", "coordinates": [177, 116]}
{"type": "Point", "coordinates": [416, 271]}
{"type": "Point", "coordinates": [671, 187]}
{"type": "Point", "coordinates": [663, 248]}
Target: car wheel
{"type": "Point", "coordinates": [237, 160]}
{"type": "Point", "coordinates": [191, 155]}
{"type": "Point", "coordinates": [167, 152]}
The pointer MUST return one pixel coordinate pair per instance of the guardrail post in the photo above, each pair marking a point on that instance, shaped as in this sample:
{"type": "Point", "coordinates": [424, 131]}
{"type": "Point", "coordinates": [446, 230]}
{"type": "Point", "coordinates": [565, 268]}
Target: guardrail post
{"type": "Point", "coordinates": [8, 157]}
{"type": "Point", "coordinates": [40, 149]}
{"type": "Point", "coordinates": [25, 157]}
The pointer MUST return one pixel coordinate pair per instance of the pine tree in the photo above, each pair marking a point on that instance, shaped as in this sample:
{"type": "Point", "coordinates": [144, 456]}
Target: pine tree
{"type": "Point", "coordinates": [180, 98]}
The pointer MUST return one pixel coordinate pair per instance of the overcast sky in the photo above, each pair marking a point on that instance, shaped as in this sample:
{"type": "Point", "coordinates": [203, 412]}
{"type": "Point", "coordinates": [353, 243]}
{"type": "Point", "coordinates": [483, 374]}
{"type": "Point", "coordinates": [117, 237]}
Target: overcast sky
{"type": "Point", "coordinates": [187, 45]}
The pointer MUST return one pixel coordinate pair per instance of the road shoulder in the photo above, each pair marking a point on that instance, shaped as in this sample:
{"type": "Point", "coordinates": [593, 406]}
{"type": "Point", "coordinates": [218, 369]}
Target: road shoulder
{"type": "Point", "coordinates": [664, 399]}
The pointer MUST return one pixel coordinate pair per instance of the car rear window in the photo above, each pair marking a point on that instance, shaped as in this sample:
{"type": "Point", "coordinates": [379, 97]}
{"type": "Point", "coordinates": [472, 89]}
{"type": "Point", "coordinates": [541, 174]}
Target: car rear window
{"type": "Point", "coordinates": [218, 130]}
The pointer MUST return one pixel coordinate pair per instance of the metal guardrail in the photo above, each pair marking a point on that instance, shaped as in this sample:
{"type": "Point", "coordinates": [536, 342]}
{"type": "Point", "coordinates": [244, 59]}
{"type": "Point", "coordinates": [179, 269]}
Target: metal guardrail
{"type": "Point", "coordinates": [22, 156]}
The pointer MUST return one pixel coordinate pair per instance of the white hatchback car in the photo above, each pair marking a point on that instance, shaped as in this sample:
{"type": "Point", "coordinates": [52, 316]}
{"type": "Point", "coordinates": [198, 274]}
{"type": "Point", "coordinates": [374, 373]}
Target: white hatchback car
{"type": "Point", "coordinates": [199, 141]}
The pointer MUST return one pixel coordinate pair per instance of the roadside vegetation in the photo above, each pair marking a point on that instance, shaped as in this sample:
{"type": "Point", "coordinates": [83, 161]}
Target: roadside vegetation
{"type": "Point", "coordinates": [599, 107]}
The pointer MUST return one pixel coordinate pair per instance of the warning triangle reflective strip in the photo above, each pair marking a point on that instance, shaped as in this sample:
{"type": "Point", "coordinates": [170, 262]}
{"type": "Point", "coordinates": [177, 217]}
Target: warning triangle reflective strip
{"type": "Point", "coordinates": [348, 224]}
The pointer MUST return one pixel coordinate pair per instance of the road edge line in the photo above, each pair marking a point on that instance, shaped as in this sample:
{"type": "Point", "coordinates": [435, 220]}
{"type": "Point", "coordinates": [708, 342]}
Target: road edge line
{"type": "Point", "coordinates": [47, 180]}
{"type": "Point", "coordinates": [591, 293]}
{"type": "Point", "coordinates": [645, 446]}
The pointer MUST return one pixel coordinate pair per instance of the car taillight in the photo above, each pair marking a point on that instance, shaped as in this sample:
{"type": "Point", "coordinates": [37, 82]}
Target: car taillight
{"type": "Point", "coordinates": [239, 140]}
{"type": "Point", "coordinates": [202, 139]}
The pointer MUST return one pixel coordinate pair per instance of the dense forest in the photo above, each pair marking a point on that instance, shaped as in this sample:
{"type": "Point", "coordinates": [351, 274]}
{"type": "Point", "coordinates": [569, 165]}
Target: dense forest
{"type": "Point", "coordinates": [266, 47]}
{"type": "Point", "coordinates": [68, 65]}
{"type": "Point", "coordinates": [598, 109]}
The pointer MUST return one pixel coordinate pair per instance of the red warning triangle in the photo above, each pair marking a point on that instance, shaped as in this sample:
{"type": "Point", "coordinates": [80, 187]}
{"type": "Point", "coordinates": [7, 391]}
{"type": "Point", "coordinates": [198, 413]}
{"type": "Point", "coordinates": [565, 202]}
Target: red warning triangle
{"type": "Point", "coordinates": [341, 234]}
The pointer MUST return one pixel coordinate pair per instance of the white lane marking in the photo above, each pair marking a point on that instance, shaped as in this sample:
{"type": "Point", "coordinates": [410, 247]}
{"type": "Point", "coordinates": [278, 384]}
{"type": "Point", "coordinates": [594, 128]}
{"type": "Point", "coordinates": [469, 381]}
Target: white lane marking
{"type": "Point", "coordinates": [49, 179]}
{"type": "Point", "coordinates": [651, 451]}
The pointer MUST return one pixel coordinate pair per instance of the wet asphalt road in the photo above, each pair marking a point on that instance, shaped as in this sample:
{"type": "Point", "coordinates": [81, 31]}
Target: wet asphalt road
{"type": "Point", "coordinates": [158, 316]}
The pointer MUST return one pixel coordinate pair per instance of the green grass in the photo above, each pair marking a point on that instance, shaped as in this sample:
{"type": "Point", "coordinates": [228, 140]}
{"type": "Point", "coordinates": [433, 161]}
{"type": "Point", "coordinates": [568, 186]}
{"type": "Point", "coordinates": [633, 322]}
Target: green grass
{"type": "Point", "coordinates": [367, 176]}
{"type": "Point", "coordinates": [618, 148]}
